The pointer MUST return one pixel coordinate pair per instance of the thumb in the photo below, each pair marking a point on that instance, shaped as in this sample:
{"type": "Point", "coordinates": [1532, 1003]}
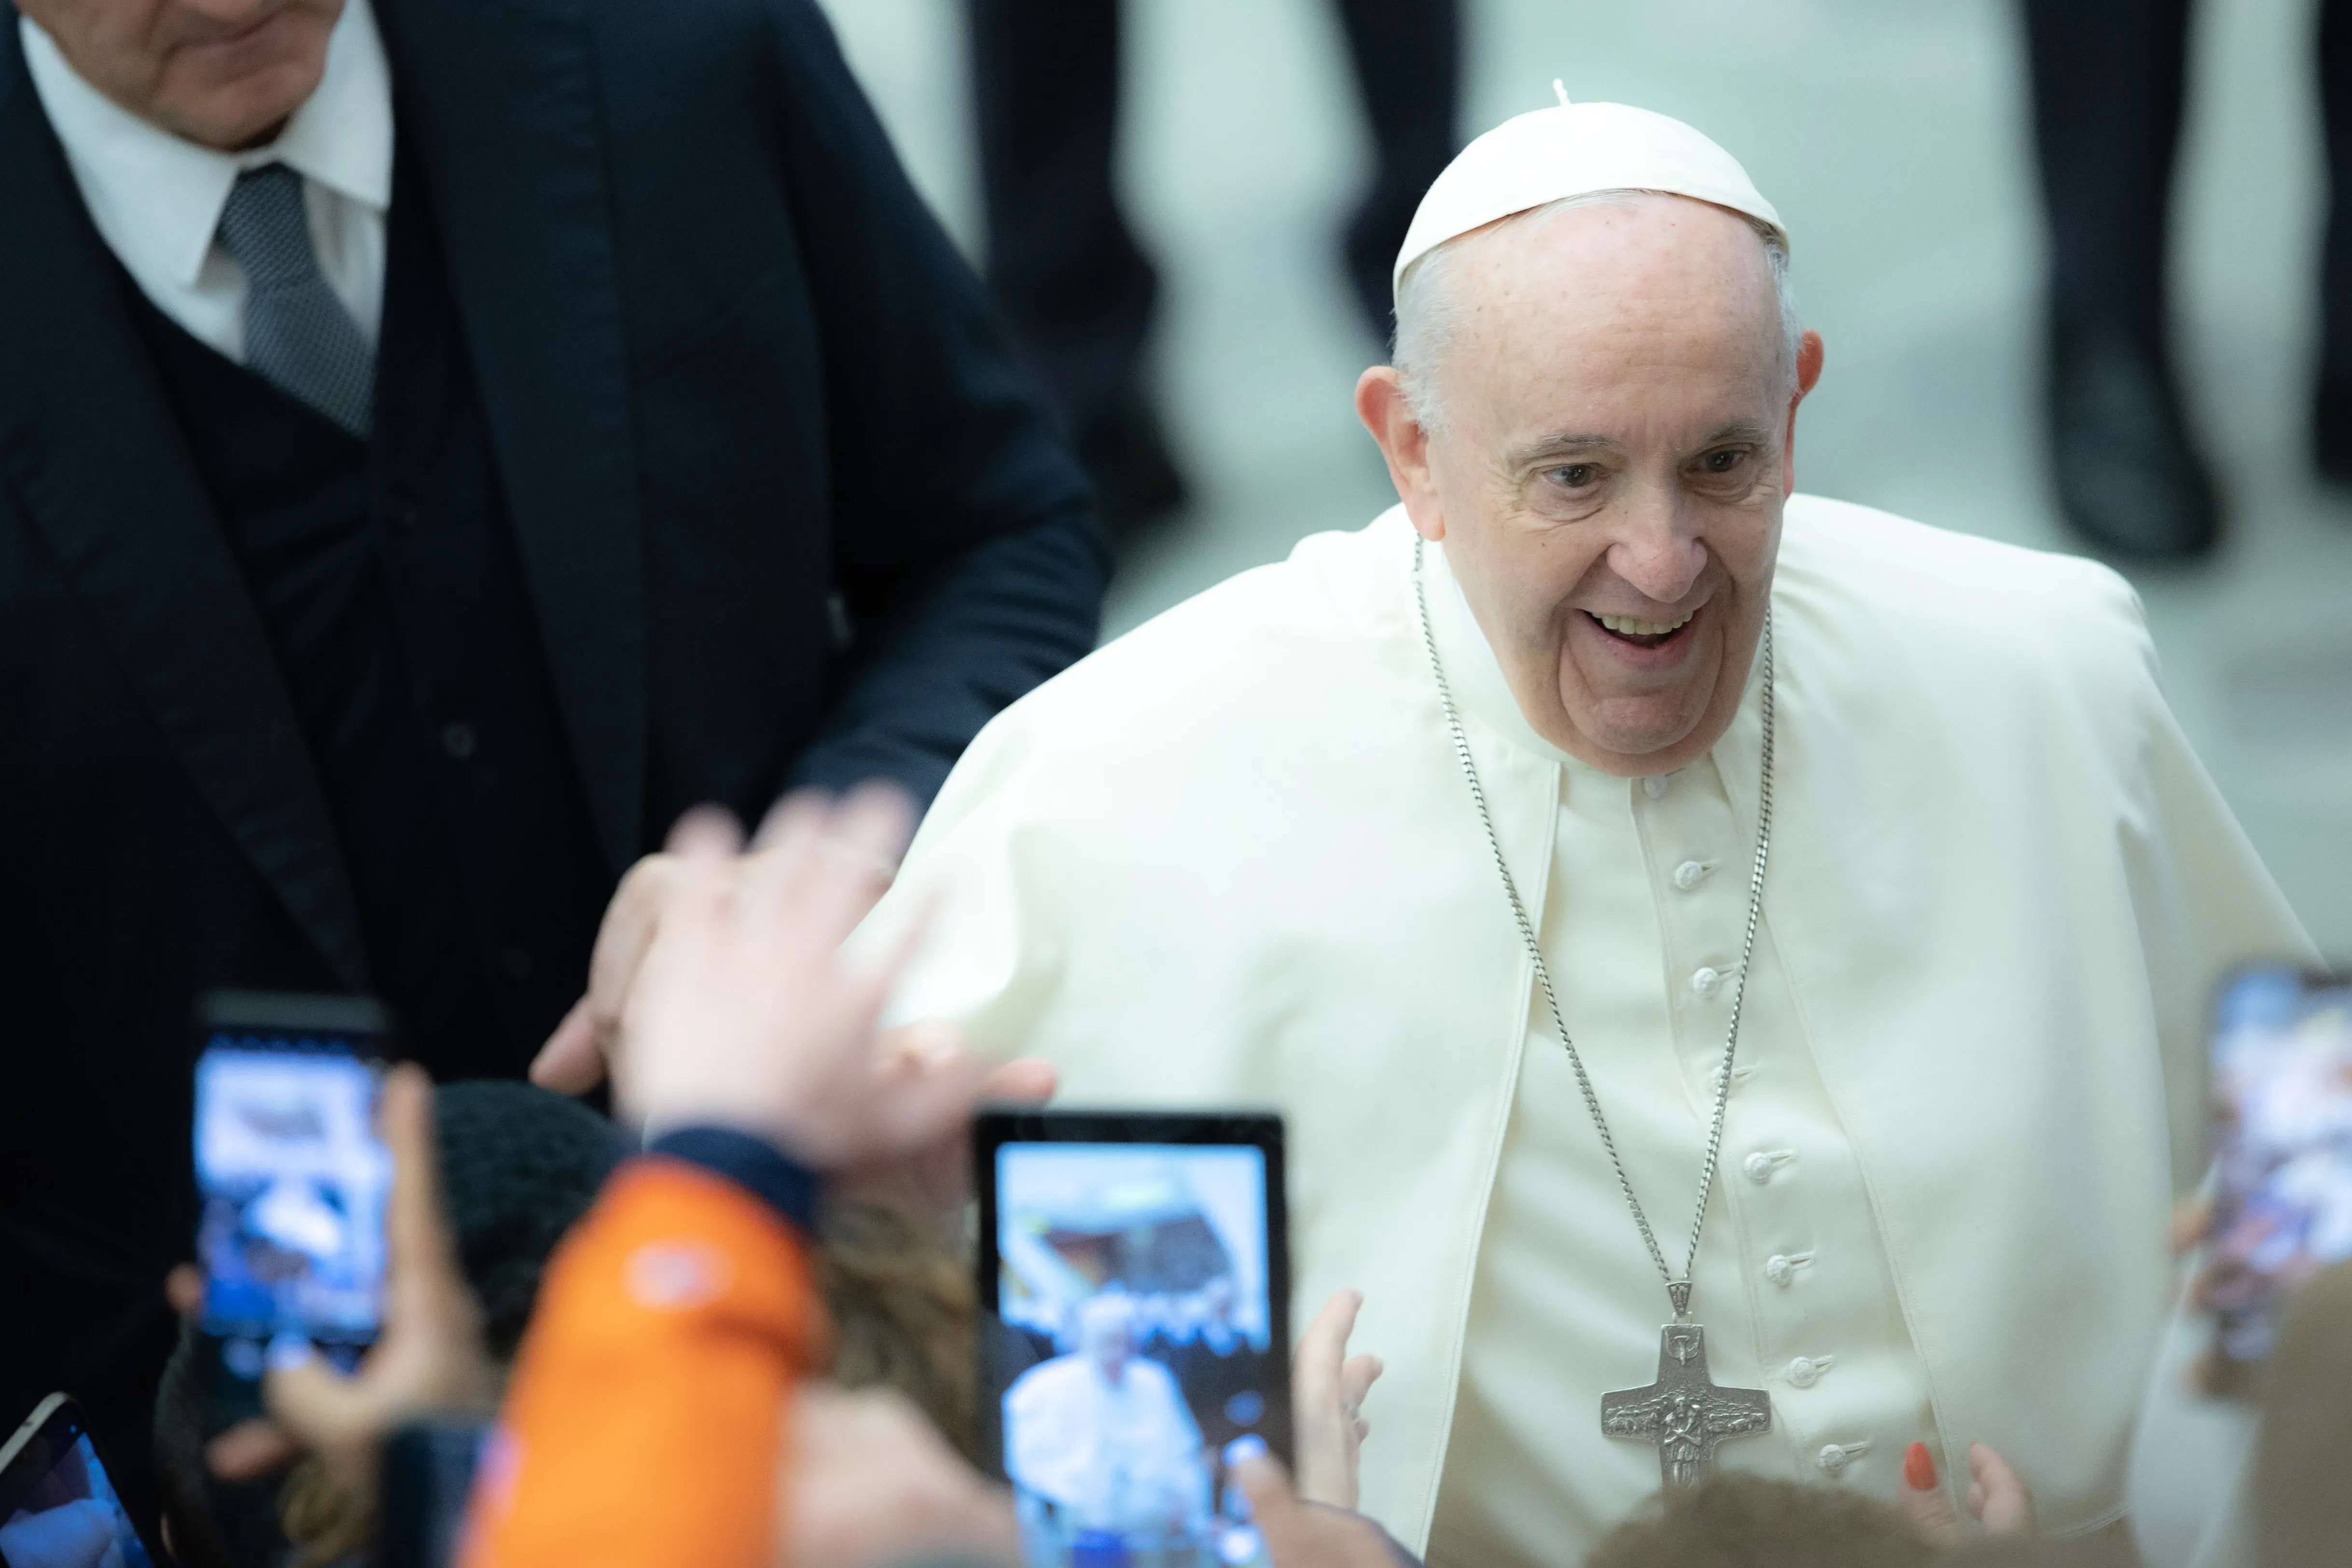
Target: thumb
{"type": "Point", "coordinates": [1271, 1497]}
{"type": "Point", "coordinates": [1997, 1495]}
{"type": "Point", "coordinates": [1927, 1507]}
{"type": "Point", "coordinates": [570, 1063]}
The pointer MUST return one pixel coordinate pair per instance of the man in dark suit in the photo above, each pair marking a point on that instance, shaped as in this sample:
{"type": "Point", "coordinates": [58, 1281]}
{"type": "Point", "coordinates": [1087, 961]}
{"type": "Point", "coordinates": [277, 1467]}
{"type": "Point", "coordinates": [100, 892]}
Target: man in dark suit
{"type": "Point", "coordinates": [440, 443]}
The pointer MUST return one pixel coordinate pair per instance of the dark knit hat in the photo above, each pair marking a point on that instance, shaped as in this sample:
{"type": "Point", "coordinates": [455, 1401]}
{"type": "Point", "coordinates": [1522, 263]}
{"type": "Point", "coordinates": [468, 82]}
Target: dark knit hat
{"type": "Point", "coordinates": [519, 1166]}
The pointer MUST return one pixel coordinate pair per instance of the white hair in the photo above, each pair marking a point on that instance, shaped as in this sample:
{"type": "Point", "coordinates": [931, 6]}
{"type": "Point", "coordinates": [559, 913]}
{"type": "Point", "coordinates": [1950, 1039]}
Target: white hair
{"type": "Point", "coordinates": [1430, 313]}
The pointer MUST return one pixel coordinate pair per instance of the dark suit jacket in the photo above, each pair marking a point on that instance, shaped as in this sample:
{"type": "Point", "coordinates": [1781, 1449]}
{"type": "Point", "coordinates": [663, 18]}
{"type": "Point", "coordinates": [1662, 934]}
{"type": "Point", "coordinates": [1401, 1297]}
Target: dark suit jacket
{"type": "Point", "coordinates": [730, 367]}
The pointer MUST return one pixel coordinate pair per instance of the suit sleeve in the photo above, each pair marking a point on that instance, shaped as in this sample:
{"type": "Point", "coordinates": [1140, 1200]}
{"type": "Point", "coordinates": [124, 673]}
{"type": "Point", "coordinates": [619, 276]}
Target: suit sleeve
{"type": "Point", "coordinates": [965, 545]}
{"type": "Point", "coordinates": [646, 1422]}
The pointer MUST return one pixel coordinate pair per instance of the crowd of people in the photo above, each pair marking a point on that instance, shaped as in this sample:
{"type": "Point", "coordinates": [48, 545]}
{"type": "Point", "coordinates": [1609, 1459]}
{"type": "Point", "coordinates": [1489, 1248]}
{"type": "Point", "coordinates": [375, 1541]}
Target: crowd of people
{"type": "Point", "coordinates": [459, 464]}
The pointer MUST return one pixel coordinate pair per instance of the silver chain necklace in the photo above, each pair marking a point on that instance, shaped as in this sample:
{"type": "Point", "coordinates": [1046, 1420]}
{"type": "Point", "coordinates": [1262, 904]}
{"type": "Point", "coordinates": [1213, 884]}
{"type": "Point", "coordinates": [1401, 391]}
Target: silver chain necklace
{"type": "Point", "coordinates": [1684, 1411]}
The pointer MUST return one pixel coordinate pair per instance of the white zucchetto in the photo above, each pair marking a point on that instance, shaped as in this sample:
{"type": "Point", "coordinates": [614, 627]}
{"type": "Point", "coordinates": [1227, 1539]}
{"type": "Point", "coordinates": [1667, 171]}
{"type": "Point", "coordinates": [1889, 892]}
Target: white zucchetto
{"type": "Point", "coordinates": [1575, 150]}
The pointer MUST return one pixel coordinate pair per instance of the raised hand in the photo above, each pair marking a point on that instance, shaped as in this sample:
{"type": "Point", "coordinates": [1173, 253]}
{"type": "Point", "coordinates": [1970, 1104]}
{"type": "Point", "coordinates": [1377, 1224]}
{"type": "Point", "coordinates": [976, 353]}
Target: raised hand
{"type": "Point", "coordinates": [1998, 1498]}
{"type": "Point", "coordinates": [743, 1012]}
{"type": "Point", "coordinates": [1327, 1398]}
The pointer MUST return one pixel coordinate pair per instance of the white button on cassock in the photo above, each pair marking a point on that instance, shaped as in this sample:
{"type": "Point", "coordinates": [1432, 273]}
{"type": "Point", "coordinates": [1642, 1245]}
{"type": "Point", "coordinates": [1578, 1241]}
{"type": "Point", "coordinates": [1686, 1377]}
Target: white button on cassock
{"type": "Point", "coordinates": [1704, 982]}
{"type": "Point", "coordinates": [1835, 1456]}
{"type": "Point", "coordinates": [1655, 785]}
{"type": "Point", "coordinates": [1690, 873]}
{"type": "Point", "coordinates": [1806, 1370]}
{"type": "Point", "coordinates": [1761, 1164]}
{"type": "Point", "coordinates": [1782, 1267]}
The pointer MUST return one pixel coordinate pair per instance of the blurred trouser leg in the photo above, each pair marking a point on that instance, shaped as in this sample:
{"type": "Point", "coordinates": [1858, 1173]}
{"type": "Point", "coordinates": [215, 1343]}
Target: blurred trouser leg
{"type": "Point", "coordinates": [1408, 59]}
{"type": "Point", "coordinates": [2332, 401]}
{"type": "Point", "coordinates": [1074, 288]}
{"type": "Point", "coordinates": [2107, 79]}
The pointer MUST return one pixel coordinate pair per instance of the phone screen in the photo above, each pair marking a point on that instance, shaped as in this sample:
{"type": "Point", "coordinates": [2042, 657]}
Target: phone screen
{"type": "Point", "coordinates": [2282, 1111]}
{"type": "Point", "coordinates": [293, 1183]}
{"type": "Point", "coordinates": [58, 1505]}
{"type": "Point", "coordinates": [1145, 1284]}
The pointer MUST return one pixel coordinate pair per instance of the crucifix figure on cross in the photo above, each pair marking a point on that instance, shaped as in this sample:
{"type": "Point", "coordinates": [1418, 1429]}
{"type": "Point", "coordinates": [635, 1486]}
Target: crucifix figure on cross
{"type": "Point", "coordinates": [1683, 1412]}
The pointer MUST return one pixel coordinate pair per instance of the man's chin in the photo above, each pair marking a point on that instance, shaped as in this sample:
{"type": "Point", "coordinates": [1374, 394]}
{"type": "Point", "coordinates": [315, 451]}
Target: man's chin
{"type": "Point", "coordinates": [243, 109]}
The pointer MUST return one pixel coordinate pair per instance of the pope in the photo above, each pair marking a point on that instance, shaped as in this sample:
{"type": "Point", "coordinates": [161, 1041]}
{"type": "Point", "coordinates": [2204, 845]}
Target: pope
{"type": "Point", "coordinates": [1655, 897]}
{"type": "Point", "coordinates": [1735, 963]}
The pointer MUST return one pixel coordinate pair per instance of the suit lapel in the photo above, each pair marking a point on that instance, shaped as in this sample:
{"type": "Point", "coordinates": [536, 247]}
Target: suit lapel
{"type": "Point", "coordinates": [90, 443]}
{"type": "Point", "coordinates": [499, 102]}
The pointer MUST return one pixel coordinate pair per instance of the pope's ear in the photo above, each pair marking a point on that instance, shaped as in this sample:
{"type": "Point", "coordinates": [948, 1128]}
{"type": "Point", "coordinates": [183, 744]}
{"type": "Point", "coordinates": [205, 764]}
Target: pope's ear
{"type": "Point", "coordinates": [1811, 357]}
{"type": "Point", "coordinates": [1387, 411]}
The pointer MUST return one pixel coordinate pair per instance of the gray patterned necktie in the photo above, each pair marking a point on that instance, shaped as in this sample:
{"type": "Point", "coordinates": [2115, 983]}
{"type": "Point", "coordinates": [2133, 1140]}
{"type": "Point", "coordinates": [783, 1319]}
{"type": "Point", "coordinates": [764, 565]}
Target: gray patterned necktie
{"type": "Point", "coordinates": [298, 336]}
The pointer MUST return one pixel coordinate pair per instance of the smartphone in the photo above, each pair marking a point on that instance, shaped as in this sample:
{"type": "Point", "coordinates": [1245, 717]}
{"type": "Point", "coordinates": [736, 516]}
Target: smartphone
{"type": "Point", "coordinates": [1134, 1277]}
{"type": "Point", "coordinates": [58, 1505]}
{"type": "Point", "coordinates": [292, 1183]}
{"type": "Point", "coordinates": [2282, 1151]}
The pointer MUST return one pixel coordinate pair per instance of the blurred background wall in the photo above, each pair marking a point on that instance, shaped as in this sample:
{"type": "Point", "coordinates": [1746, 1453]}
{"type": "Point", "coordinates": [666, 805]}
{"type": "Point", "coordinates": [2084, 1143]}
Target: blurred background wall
{"type": "Point", "coordinates": [1892, 135]}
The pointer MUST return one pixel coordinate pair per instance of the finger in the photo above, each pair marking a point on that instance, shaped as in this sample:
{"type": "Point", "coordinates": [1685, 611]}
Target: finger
{"type": "Point", "coordinates": [788, 844]}
{"type": "Point", "coordinates": [1925, 1506]}
{"type": "Point", "coordinates": [710, 831]}
{"type": "Point", "coordinates": [1999, 1496]}
{"type": "Point", "coordinates": [851, 863]}
{"type": "Point", "coordinates": [416, 1237]}
{"type": "Point", "coordinates": [1357, 1378]}
{"type": "Point", "coordinates": [183, 1290]}
{"type": "Point", "coordinates": [1024, 1081]}
{"type": "Point", "coordinates": [1315, 1370]}
{"type": "Point", "coordinates": [570, 1063]}
{"type": "Point", "coordinates": [251, 1450]}
{"type": "Point", "coordinates": [1273, 1502]}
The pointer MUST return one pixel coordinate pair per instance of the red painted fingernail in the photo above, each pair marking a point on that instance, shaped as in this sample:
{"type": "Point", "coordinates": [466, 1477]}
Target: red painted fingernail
{"type": "Point", "coordinates": [1918, 1467]}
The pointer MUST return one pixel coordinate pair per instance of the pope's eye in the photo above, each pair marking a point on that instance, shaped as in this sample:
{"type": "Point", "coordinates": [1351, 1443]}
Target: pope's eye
{"type": "Point", "coordinates": [1574, 476]}
{"type": "Point", "coordinates": [1721, 462]}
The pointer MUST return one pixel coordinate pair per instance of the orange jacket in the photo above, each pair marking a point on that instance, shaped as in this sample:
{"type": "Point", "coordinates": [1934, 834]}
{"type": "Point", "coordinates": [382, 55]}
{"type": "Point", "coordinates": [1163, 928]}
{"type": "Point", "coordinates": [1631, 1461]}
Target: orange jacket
{"type": "Point", "coordinates": [647, 1424]}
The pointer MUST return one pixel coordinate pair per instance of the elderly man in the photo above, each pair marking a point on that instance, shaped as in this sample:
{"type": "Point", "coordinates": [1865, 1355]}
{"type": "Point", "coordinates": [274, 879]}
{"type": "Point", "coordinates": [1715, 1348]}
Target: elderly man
{"type": "Point", "coordinates": [1103, 1433]}
{"type": "Point", "coordinates": [439, 442]}
{"type": "Point", "coordinates": [1655, 897]}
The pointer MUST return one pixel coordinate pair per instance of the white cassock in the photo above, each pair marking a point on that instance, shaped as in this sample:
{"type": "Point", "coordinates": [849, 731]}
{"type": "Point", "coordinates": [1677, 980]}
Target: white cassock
{"type": "Point", "coordinates": [1124, 1458]}
{"type": "Point", "coordinates": [1232, 858]}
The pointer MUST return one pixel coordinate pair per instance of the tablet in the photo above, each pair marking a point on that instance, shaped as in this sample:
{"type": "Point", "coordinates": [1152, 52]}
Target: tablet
{"type": "Point", "coordinates": [1134, 1280]}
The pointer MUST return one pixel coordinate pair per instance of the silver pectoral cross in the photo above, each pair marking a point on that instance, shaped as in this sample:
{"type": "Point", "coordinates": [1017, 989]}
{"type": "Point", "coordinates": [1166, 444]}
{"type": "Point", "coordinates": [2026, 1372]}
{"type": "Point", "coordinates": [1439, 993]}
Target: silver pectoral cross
{"type": "Point", "coordinates": [1683, 1412]}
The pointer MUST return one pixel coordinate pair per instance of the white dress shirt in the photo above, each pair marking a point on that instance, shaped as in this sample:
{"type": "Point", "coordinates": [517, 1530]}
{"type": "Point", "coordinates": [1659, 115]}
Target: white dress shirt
{"type": "Point", "coordinates": [157, 198]}
{"type": "Point", "coordinates": [1641, 928]}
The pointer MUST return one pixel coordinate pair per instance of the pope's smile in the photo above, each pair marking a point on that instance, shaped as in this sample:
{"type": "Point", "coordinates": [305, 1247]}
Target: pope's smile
{"type": "Point", "coordinates": [1645, 634]}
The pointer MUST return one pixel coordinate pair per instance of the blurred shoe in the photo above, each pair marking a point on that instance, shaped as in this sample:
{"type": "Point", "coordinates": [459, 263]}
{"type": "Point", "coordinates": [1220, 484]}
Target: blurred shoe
{"type": "Point", "coordinates": [1137, 482]}
{"type": "Point", "coordinates": [2129, 479]}
{"type": "Point", "coordinates": [2331, 433]}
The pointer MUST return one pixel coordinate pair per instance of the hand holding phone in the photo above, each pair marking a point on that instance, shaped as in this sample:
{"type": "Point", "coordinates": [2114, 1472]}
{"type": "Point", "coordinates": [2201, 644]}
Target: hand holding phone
{"type": "Point", "coordinates": [430, 1360]}
{"type": "Point", "coordinates": [2283, 1156]}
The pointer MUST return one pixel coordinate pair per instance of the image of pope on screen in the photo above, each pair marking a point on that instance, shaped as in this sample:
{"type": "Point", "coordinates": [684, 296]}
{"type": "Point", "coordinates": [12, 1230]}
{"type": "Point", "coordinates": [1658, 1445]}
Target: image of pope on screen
{"type": "Point", "coordinates": [1140, 1272]}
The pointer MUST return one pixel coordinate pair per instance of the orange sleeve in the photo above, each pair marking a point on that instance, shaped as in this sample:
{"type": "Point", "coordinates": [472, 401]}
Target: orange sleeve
{"type": "Point", "coordinates": [646, 1424]}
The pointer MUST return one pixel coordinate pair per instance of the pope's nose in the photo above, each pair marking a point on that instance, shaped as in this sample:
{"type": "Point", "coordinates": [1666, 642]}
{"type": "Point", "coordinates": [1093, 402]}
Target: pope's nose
{"type": "Point", "coordinates": [1658, 560]}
